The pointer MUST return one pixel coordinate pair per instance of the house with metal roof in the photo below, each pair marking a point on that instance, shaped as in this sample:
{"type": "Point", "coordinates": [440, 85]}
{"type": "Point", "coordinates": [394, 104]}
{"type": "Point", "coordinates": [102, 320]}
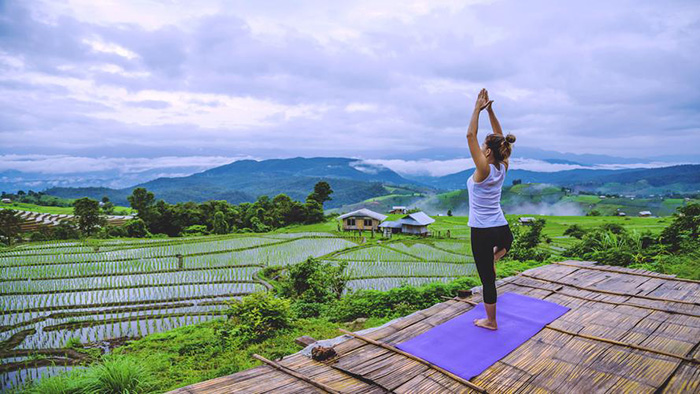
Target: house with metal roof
{"type": "Point", "coordinates": [398, 209]}
{"type": "Point", "coordinates": [362, 219]}
{"type": "Point", "coordinates": [413, 223]}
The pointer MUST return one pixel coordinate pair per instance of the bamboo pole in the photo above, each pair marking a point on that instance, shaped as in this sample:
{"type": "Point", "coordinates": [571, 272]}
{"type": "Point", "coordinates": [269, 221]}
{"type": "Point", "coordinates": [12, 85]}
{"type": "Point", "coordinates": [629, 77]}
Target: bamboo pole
{"type": "Point", "coordinates": [297, 375]}
{"type": "Point", "coordinates": [610, 292]}
{"type": "Point", "coordinates": [626, 273]}
{"type": "Point", "coordinates": [415, 358]}
{"type": "Point", "coordinates": [627, 344]}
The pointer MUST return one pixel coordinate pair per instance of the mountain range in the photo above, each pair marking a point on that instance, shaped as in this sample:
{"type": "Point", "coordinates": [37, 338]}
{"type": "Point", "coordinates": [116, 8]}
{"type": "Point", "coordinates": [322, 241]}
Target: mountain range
{"type": "Point", "coordinates": [353, 181]}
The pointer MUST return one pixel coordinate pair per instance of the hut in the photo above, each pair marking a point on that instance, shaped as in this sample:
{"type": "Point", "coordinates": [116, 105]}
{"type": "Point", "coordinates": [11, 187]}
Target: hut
{"type": "Point", "coordinates": [416, 223]}
{"type": "Point", "coordinates": [362, 219]}
{"type": "Point", "coordinates": [526, 220]}
{"type": "Point", "coordinates": [390, 227]}
{"type": "Point", "coordinates": [6, 201]}
{"type": "Point", "coordinates": [413, 223]}
{"type": "Point", "coordinates": [645, 214]}
{"type": "Point", "coordinates": [399, 209]}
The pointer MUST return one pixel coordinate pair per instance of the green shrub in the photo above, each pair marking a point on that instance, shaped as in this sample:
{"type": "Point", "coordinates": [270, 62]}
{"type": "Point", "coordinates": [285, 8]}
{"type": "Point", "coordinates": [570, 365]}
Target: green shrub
{"type": "Point", "coordinates": [259, 316]}
{"type": "Point", "coordinates": [575, 231]}
{"type": "Point", "coordinates": [525, 242]}
{"type": "Point", "coordinates": [312, 282]}
{"type": "Point", "coordinates": [115, 374]}
{"type": "Point", "coordinates": [136, 228]}
{"type": "Point", "coordinates": [395, 302]}
{"type": "Point", "coordinates": [119, 374]}
{"type": "Point", "coordinates": [683, 232]}
{"type": "Point", "coordinates": [194, 230]}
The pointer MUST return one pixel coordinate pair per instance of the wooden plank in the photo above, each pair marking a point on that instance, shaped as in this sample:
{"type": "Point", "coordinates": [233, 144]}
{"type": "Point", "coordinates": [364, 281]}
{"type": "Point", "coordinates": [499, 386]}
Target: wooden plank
{"type": "Point", "coordinates": [625, 344]}
{"type": "Point", "coordinates": [612, 292]}
{"type": "Point", "coordinates": [685, 380]}
{"type": "Point", "coordinates": [297, 375]}
{"type": "Point", "coordinates": [622, 270]}
{"type": "Point", "coordinates": [399, 351]}
{"type": "Point", "coordinates": [558, 289]}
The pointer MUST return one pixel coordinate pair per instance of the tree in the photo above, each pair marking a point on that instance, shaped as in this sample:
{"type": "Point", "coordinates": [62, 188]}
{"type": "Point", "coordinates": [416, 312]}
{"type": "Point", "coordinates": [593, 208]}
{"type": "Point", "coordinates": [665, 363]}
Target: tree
{"type": "Point", "coordinates": [321, 193]}
{"type": "Point", "coordinates": [449, 212]}
{"type": "Point", "coordinates": [220, 226]}
{"type": "Point", "coordinates": [314, 211]}
{"type": "Point", "coordinates": [685, 227]}
{"type": "Point", "coordinates": [107, 206]}
{"type": "Point", "coordinates": [142, 201]}
{"type": "Point", "coordinates": [9, 226]}
{"type": "Point", "coordinates": [87, 212]}
{"type": "Point", "coordinates": [136, 228]}
{"type": "Point", "coordinates": [533, 236]}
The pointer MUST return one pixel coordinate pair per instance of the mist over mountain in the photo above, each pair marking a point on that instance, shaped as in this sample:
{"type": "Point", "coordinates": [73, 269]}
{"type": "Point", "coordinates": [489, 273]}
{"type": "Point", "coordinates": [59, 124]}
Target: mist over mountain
{"type": "Point", "coordinates": [354, 181]}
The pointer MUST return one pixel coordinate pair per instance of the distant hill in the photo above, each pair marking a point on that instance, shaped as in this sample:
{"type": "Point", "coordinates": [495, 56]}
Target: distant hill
{"type": "Point", "coordinates": [358, 184]}
{"type": "Point", "coordinates": [245, 180]}
{"type": "Point", "coordinates": [682, 178]}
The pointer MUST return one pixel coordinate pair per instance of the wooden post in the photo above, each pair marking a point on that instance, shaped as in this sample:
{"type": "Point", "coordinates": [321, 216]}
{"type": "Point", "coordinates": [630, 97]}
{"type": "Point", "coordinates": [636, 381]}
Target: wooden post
{"type": "Point", "coordinates": [180, 262]}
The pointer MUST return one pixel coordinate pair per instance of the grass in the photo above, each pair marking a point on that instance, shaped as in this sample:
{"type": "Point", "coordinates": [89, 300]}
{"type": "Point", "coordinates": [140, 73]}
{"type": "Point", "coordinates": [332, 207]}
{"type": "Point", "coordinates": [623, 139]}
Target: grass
{"type": "Point", "coordinates": [186, 355]}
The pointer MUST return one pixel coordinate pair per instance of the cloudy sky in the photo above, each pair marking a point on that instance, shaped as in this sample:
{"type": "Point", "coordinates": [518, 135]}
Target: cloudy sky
{"type": "Point", "coordinates": [113, 84]}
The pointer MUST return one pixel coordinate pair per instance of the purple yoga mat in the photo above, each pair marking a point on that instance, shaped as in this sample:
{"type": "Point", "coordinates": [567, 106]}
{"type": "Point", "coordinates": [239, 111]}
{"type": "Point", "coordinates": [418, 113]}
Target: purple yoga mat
{"type": "Point", "coordinates": [467, 350]}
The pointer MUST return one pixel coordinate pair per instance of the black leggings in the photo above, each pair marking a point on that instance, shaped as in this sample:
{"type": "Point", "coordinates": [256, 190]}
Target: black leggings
{"type": "Point", "coordinates": [483, 242]}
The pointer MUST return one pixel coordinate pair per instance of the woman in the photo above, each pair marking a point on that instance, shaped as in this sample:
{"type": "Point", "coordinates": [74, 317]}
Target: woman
{"type": "Point", "coordinates": [490, 235]}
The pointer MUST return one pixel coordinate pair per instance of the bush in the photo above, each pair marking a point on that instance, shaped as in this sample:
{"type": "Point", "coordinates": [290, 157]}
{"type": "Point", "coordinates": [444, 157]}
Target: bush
{"type": "Point", "coordinates": [525, 241]}
{"type": "Point", "coordinates": [194, 230]}
{"type": "Point", "coordinates": [119, 374]}
{"type": "Point", "coordinates": [65, 230]}
{"type": "Point", "coordinates": [313, 281]}
{"type": "Point", "coordinates": [259, 316]}
{"type": "Point", "coordinates": [111, 231]}
{"type": "Point", "coordinates": [614, 246]}
{"type": "Point", "coordinates": [115, 374]}
{"type": "Point", "coordinates": [575, 231]}
{"type": "Point", "coordinates": [395, 302]}
{"type": "Point", "coordinates": [684, 230]}
{"type": "Point", "coordinates": [136, 228]}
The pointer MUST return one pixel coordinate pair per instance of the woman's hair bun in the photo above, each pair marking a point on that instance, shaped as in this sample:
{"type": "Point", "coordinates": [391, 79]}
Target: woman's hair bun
{"type": "Point", "coordinates": [510, 138]}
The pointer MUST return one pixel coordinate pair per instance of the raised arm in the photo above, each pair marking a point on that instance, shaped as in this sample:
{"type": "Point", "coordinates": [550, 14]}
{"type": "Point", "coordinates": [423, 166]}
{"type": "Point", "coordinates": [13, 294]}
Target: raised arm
{"type": "Point", "coordinates": [482, 165]}
{"type": "Point", "coordinates": [495, 126]}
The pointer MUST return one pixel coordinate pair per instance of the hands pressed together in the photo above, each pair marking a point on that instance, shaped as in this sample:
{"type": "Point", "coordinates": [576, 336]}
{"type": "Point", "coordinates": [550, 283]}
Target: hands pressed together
{"type": "Point", "coordinates": [482, 101]}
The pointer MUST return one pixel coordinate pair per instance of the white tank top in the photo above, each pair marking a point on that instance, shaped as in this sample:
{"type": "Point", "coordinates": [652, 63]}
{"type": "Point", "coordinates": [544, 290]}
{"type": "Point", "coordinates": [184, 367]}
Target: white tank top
{"type": "Point", "coordinates": [485, 199]}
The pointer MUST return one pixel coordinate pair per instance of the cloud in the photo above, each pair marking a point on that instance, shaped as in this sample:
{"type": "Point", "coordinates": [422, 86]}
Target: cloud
{"type": "Point", "coordinates": [63, 164]}
{"type": "Point", "coordinates": [361, 79]}
{"type": "Point", "coordinates": [438, 168]}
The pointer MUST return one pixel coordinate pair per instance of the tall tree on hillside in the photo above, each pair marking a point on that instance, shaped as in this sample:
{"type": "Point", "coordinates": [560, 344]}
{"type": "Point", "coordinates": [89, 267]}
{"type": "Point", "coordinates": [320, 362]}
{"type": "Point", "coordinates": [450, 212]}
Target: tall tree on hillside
{"type": "Point", "coordinates": [322, 192]}
{"type": "Point", "coordinates": [87, 212]}
{"type": "Point", "coordinates": [142, 201]}
{"type": "Point", "coordinates": [314, 211]}
{"type": "Point", "coordinates": [9, 226]}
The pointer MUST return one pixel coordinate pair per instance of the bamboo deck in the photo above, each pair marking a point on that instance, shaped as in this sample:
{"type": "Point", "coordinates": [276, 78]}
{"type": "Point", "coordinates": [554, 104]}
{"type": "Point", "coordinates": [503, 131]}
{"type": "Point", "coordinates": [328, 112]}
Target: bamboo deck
{"type": "Point", "coordinates": [628, 331]}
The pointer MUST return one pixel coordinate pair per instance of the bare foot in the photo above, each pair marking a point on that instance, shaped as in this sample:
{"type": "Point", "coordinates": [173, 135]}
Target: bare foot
{"type": "Point", "coordinates": [485, 323]}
